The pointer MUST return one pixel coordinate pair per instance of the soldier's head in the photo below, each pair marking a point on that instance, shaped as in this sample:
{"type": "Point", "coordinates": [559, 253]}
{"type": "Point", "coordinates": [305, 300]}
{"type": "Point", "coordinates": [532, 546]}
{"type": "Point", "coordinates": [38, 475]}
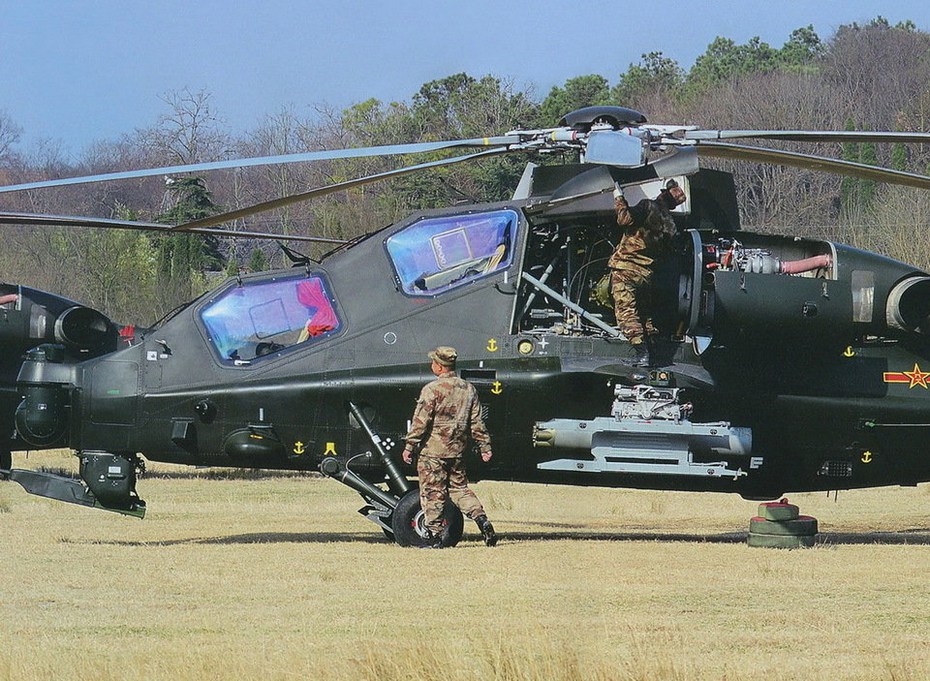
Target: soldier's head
{"type": "Point", "coordinates": [443, 359]}
{"type": "Point", "coordinates": [672, 195]}
{"type": "Point", "coordinates": [658, 225]}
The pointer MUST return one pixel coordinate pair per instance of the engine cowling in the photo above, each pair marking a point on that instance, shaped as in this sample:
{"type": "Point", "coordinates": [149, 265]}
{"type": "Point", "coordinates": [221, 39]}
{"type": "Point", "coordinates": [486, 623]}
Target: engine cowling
{"type": "Point", "coordinates": [770, 292]}
{"type": "Point", "coordinates": [908, 306]}
{"type": "Point", "coordinates": [33, 317]}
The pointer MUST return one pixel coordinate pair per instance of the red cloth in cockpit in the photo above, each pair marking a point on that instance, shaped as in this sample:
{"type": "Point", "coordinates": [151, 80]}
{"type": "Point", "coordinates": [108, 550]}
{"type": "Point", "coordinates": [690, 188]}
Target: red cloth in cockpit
{"type": "Point", "coordinates": [311, 295]}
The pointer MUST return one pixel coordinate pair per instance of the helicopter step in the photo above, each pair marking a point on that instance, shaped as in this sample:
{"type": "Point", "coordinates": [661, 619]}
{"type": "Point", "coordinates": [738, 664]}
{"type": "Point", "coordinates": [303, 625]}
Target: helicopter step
{"type": "Point", "coordinates": [648, 432]}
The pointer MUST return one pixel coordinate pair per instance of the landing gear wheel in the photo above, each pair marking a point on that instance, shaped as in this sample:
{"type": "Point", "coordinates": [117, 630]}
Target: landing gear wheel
{"type": "Point", "coordinates": [408, 522]}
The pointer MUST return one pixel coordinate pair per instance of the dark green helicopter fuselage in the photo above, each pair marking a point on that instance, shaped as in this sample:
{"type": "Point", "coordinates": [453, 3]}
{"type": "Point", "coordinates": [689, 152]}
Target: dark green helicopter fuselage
{"type": "Point", "coordinates": [774, 380]}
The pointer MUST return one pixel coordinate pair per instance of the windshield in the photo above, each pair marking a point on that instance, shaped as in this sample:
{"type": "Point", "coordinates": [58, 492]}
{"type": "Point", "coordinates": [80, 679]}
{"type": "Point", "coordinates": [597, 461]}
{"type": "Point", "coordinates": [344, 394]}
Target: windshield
{"type": "Point", "coordinates": [437, 254]}
{"type": "Point", "coordinates": [254, 320]}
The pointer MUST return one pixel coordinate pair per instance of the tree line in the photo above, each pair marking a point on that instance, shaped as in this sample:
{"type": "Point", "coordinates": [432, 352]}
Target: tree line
{"type": "Point", "coordinates": [874, 76]}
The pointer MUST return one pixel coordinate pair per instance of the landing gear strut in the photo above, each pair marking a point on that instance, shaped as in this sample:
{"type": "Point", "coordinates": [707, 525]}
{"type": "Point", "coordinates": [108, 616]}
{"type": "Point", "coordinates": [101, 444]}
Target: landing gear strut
{"type": "Point", "coordinates": [399, 517]}
{"type": "Point", "coordinates": [395, 510]}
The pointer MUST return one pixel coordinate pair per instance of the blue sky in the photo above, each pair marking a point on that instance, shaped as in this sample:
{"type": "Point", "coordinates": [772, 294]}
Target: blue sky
{"type": "Point", "coordinates": [80, 71]}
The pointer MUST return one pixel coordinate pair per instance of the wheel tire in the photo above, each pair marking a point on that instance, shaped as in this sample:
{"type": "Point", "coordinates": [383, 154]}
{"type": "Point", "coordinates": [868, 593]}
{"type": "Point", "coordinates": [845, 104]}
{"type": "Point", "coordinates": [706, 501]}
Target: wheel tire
{"type": "Point", "coordinates": [409, 529]}
{"type": "Point", "coordinates": [802, 526]}
{"type": "Point", "coordinates": [780, 541]}
{"type": "Point", "coordinates": [778, 511]}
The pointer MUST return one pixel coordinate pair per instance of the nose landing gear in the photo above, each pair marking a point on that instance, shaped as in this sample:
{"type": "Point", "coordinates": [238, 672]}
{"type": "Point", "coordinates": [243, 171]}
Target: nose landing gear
{"type": "Point", "coordinates": [395, 510]}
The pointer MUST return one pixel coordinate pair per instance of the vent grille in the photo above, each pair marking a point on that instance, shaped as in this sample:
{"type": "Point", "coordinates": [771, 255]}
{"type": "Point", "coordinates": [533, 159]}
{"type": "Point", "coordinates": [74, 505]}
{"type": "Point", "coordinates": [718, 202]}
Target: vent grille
{"type": "Point", "coordinates": [836, 469]}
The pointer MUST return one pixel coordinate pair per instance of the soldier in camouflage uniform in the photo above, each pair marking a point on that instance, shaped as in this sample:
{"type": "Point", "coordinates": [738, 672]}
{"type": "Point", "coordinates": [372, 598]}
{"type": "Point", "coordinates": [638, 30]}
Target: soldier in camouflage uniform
{"type": "Point", "coordinates": [447, 415]}
{"type": "Point", "coordinates": [648, 229]}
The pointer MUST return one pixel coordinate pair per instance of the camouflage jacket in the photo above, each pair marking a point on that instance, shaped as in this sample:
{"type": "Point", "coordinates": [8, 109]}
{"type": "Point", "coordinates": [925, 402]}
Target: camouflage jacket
{"type": "Point", "coordinates": [634, 250]}
{"type": "Point", "coordinates": [447, 414]}
{"type": "Point", "coordinates": [630, 253]}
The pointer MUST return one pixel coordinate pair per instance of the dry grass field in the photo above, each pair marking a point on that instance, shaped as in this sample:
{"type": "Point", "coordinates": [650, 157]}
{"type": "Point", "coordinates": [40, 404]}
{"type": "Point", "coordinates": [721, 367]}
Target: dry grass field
{"type": "Point", "coordinates": [278, 578]}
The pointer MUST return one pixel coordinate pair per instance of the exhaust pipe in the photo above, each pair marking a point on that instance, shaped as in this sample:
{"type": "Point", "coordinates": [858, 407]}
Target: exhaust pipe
{"type": "Point", "coordinates": [908, 307]}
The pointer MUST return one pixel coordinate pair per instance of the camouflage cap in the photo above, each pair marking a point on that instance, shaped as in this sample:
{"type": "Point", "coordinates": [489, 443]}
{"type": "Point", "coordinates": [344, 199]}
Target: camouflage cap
{"type": "Point", "coordinates": [673, 194]}
{"type": "Point", "coordinates": [444, 356]}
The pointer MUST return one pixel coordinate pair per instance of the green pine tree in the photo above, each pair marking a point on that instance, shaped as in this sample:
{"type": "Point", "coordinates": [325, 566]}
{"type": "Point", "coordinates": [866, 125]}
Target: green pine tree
{"type": "Point", "coordinates": [182, 259]}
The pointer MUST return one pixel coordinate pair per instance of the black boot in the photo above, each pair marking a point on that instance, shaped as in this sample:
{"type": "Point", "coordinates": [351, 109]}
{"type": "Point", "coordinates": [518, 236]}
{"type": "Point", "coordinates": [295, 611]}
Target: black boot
{"type": "Point", "coordinates": [487, 530]}
{"type": "Point", "coordinates": [641, 356]}
{"type": "Point", "coordinates": [433, 541]}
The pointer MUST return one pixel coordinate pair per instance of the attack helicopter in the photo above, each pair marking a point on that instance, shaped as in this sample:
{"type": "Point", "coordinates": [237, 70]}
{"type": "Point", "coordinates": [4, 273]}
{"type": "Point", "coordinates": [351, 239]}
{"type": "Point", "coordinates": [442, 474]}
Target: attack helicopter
{"type": "Point", "coordinates": [785, 363]}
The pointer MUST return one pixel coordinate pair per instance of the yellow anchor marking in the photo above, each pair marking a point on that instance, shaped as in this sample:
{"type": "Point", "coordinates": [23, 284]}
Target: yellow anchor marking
{"type": "Point", "coordinates": [497, 387]}
{"type": "Point", "coordinates": [492, 345]}
{"type": "Point", "coordinates": [866, 457]}
{"type": "Point", "coordinates": [849, 352]}
{"type": "Point", "coordinates": [299, 447]}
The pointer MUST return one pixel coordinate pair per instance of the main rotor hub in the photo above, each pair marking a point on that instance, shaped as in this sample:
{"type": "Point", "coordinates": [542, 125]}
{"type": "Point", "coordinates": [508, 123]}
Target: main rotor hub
{"type": "Point", "coordinates": [614, 116]}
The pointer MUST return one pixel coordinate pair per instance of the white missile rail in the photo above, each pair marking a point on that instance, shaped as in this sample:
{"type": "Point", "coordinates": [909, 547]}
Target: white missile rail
{"type": "Point", "coordinates": [648, 432]}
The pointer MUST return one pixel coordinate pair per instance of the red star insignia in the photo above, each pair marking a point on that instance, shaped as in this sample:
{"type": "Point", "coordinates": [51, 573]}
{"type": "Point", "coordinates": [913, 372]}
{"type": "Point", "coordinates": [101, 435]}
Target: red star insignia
{"type": "Point", "coordinates": [912, 378]}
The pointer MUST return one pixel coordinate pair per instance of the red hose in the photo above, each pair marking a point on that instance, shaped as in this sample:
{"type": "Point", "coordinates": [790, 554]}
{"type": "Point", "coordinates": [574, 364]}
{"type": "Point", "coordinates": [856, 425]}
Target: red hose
{"type": "Point", "coordinates": [806, 265]}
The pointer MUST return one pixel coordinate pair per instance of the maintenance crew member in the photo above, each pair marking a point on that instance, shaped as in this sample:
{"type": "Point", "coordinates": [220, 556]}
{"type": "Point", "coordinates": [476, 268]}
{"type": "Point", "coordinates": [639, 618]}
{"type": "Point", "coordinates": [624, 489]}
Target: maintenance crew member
{"type": "Point", "coordinates": [647, 231]}
{"type": "Point", "coordinates": [447, 415]}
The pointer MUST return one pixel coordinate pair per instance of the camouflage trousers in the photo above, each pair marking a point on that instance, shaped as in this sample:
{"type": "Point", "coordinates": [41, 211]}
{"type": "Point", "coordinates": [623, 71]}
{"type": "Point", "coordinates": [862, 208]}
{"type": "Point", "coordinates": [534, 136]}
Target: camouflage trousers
{"type": "Point", "coordinates": [442, 479]}
{"type": "Point", "coordinates": [630, 290]}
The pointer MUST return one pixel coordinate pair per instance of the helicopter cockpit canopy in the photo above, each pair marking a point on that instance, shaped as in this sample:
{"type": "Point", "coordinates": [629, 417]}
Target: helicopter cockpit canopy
{"type": "Point", "coordinates": [437, 254]}
{"type": "Point", "coordinates": [258, 318]}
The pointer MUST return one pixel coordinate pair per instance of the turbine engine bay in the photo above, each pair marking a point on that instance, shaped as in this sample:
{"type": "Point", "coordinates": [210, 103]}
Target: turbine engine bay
{"type": "Point", "coordinates": [707, 284]}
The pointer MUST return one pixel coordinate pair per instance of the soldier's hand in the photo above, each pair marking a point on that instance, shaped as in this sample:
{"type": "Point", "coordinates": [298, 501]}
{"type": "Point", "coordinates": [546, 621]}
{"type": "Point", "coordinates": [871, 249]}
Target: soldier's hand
{"type": "Point", "coordinates": [408, 456]}
{"type": "Point", "coordinates": [618, 191]}
{"type": "Point", "coordinates": [486, 456]}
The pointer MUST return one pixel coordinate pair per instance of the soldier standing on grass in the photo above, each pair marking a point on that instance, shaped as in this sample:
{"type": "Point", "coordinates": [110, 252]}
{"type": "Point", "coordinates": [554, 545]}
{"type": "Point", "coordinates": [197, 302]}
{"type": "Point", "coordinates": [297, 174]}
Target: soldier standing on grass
{"type": "Point", "coordinates": [447, 414]}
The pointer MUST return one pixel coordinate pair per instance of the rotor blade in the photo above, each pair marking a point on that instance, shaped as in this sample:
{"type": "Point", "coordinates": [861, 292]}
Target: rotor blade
{"type": "Point", "coordinates": [830, 165]}
{"type": "Point", "coordinates": [103, 223]}
{"type": "Point", "coordinates": [360, 152]}
{"type": "Point", "coordinates": [329, 189]}
{"type": "Point", "coordinates": [812, 135]}
{"type": "Point", "coordinates": [679, 161]}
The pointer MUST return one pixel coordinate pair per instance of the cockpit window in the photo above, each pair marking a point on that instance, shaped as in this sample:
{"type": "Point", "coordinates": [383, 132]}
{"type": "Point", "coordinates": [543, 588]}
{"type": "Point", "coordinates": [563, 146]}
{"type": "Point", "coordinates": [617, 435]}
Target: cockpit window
{"type": "Point", "coordinates": [256, 319]}
{"type": "Point", "coordinates": [437, 254]}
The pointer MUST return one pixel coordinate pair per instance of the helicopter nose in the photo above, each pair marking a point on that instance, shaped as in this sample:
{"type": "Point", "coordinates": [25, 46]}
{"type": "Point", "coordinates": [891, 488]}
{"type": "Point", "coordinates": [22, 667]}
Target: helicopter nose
{"type": "Point", "coordinates": [908, 307]}
{"type": "Point", "coordinates": [45, 385]}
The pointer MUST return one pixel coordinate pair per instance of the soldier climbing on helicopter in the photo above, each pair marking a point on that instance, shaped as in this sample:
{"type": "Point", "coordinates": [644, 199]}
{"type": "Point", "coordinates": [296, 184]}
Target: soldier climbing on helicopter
{"type": "Point", "coordinates": [647, 232]}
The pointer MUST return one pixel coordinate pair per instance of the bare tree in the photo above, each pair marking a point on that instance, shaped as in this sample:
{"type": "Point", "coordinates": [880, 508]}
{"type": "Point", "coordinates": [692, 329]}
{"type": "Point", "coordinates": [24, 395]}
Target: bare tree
{"type": "Point", "coordinates": [877, 69]}
{"type": "Point", "coordinates": [9, 135]}
{"type": "Point", "coordinates": [775, 197]}
{"type": "Point", "coordinates": [278, 134]}
{"type": "Point", "coordinates": [189, 132]}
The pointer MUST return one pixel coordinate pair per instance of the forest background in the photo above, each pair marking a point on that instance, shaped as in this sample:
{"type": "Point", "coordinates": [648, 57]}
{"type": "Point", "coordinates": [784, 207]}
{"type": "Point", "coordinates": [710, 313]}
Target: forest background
{"type": "Point", "coordinates": [863, 77]}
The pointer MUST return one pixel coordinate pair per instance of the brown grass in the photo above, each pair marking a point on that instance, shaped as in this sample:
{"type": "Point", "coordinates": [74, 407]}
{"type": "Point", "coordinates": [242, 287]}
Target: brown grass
{"type": "Point", "coordinates": [278, 578]}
